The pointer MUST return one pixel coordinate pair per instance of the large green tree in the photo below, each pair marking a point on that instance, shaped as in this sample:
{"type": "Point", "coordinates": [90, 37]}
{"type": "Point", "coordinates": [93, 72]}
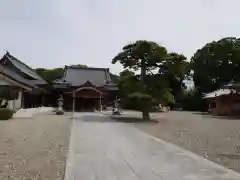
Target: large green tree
{"type": "Point", "coordinates": [216, 64]}
{"type": "Point", "coordinates": [133, 93]}
{"type": "Point", "coordinates": [129, 83]}
{"type": "Point", "coordinates": [52, 74]}
{"type": "Point", "coordinates": [160, 72]}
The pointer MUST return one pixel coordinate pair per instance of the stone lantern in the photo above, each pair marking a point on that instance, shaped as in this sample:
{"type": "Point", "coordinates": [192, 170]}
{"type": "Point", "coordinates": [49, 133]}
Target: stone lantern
{"type": "Point", "coordinates": [60, 106]}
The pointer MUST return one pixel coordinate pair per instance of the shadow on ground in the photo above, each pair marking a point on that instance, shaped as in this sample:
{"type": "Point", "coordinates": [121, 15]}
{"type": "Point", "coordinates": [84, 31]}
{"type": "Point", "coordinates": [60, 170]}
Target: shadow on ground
{"type": "Point", "coordinates": [132, 120]}
{"type": "Point", "coordinates": [208, 115]}
{"type": "Point", "coordinates": [90, 118]}
{"type": "Point", "coordinates": [116, 119]}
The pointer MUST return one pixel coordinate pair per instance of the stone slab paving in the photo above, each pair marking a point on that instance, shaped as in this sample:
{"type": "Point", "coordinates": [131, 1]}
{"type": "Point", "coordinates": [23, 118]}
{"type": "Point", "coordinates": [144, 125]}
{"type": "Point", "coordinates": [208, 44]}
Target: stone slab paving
{"type": "Point", "coordinates": [30, 112]}
{"type": "Point", "coordinates": [101, 149]}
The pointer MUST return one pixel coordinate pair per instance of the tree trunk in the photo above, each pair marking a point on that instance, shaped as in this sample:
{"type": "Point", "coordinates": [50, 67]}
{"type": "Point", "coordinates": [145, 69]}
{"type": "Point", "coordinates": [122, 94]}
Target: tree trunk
{"type": "Point", "coordinates": [145, 115]}
{"type": "Point", "coordinates": [143, 72]}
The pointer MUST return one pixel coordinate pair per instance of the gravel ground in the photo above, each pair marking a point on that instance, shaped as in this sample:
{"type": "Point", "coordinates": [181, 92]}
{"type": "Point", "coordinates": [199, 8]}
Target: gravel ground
{"type": "Point", "coordinates": [217, 139]}
{"type": "Point", "coordinates": [34, 148]}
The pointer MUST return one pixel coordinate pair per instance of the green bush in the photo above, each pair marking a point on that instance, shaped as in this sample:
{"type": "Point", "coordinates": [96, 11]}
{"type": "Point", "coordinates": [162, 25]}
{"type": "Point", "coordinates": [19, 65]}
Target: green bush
{"type": "Point", "coordinates": [138, 101]}
{"type": "Point", "coordinates": [59, 112]}
{"type": "Point", "coordinates": [193, 101]}
{"type": "Point", "coordinates": [6, 113]}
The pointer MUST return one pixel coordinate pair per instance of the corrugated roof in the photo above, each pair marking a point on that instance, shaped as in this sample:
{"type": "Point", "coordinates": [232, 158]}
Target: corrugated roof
{"type": "Point", "coordinates": [79, 75]}
{"type": "Point", "coordinates": [24, 68]}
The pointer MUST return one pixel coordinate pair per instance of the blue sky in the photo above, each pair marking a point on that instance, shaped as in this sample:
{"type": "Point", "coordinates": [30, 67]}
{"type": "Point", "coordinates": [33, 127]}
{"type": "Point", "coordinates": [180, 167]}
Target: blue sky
{"type": "Point", "coordinates": [52, 33]}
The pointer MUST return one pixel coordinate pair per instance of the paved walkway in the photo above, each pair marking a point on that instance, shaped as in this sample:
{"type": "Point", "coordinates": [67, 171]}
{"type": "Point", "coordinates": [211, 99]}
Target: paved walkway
{"type": "Point", "coordinates": [30, 112]}
{"type": "Point", "coordinates": [104, 150]}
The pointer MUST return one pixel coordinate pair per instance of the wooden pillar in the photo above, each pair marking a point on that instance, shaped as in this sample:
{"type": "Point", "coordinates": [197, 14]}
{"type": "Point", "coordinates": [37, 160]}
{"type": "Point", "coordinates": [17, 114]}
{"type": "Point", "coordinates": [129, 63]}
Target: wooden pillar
{"type": "Point", "coordinates": [14, 104]}
{"type": "Point", "coordinates": [33, 101]}
{"type": "Point", "coordinates": [73, 103]}
{"type": "Point", "coordinates": [43, 100]}
{"type": "Point", "coordinates": [100, 102]}
{"type": "Point", "coordinates": [22, 99]}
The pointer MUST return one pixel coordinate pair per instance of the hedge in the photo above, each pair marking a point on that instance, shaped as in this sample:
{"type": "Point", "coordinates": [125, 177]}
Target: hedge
{"type": "Point", "coordinates": [6, 113]}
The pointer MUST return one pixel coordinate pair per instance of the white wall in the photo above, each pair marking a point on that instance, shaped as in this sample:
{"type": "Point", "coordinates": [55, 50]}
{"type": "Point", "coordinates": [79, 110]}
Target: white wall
{"type": "Point", "coordinates": [17, 102]}
{"type": "Point", "coordinates": [14, 104]}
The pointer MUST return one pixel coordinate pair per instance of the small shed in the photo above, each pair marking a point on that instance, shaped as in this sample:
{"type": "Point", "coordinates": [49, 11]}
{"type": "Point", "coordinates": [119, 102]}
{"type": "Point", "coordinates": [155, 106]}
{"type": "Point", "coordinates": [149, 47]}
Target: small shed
{"type": "Point", "coordinates": [224, 101]}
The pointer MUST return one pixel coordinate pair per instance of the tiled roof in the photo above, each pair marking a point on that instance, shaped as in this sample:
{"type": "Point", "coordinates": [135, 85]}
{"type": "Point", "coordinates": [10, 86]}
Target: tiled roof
{"type": "Point", "coordinates": [16, 77]}
{"type": "Point", "coordinates": [24, 68]}
{"type": "Point", "coordinates": [217, 93]}
{"type": "Point", "coordinates": [114, 78]}
{"type": "Point", "coordinates": [232, 85]}
{"type": "Point", "coordinates": [77, 76]}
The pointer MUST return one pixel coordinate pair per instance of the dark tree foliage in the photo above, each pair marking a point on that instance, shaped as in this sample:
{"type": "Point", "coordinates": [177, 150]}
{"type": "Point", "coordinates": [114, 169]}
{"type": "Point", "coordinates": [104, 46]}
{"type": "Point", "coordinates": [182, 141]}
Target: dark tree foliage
{"type": "Point", "coordinates": [52, 74]}
{"type": "Point", "coordinates": [216, 64]}
{"type": "Point", "coordinates": [192, 101]}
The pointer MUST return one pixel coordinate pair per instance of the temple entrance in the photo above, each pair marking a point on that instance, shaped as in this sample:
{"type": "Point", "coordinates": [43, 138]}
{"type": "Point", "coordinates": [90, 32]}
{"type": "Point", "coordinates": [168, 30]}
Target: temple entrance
{"type": "Point", "coordinates": [84, 99]}
{"type": "Point", "coordinates": [86, 104]}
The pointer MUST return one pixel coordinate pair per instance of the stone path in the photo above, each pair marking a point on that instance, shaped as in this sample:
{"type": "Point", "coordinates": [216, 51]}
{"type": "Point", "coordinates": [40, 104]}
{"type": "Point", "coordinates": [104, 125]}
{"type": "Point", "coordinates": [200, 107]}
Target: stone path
{"type": "Point", "coordinates": [30, 112]}
{"type": "Point", "coordinates": [101, 149]}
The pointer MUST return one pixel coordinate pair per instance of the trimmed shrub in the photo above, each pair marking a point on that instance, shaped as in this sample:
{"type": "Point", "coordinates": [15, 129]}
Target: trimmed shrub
{"type": "Point", "coordinates": [59, 112]}
{"type": "Point", "coordinates": [6, 113]}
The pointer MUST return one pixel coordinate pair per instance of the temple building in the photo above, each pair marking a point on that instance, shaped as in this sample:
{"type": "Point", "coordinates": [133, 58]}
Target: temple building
{"type": "Point", "coordinates": [23, 74]}
{"type": "Point", "coordinates": [82, 88]}
{"type": "Point", "coordinates": [86, 89]}
{"type": "Point", "coordinates": [224, 101]}
{"type": "Point", "coordinates": [12, 87]}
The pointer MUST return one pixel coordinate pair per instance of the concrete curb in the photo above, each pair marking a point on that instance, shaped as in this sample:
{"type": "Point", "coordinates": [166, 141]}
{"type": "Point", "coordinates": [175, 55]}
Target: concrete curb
{"type": "Point", "coordinates": [69, 169]}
